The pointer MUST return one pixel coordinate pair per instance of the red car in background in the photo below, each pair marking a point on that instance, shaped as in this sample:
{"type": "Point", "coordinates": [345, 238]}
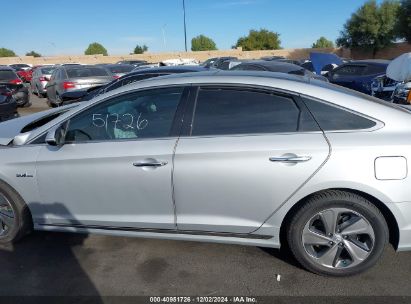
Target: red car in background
{"type": "Point", "coordinates": [25, 75]}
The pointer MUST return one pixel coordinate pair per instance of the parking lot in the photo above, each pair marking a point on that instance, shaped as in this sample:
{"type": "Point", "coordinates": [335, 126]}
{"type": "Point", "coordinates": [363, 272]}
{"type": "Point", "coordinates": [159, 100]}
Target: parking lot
{"type": "Point", "coordinates": [71, 264]}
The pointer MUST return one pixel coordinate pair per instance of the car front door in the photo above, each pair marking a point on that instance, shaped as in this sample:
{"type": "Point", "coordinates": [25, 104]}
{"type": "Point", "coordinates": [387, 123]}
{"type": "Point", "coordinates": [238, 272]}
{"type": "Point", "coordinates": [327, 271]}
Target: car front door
{"type": "Point", "coordinates": [114, 169]}
{"type": "Point", "coordinates": [246, 153]}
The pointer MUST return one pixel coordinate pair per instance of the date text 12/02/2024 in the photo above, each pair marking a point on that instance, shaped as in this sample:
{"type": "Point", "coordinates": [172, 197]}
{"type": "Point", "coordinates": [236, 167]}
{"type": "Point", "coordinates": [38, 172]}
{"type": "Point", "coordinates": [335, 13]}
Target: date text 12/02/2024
{"type": "Point", "coordinates": [204, 299]}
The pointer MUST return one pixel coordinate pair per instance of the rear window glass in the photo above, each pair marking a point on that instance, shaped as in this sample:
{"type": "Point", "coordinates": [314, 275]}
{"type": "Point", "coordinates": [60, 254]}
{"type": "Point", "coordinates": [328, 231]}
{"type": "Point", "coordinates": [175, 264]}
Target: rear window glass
{"type": "Point", "coordinates": [46, 71]}
{"type": "Point", "coordinates": [331, 118]}
{"type": "Point", "coordinates": [86, 72]}
{"type": "Point", "coordinates": [7, 75]}
{"type": "Point", "coordinates": [231, 111]}
{"type": "Point", "coordinates": [121, 69]}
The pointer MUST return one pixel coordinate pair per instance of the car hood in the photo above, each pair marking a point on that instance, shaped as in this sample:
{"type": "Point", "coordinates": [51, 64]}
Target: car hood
{"type": "Point", "coordinates": [320, 60]}
{"type": "Point", "coordinates": [400, 68]}
{"type": "Point", "coordinates": [11, 128]}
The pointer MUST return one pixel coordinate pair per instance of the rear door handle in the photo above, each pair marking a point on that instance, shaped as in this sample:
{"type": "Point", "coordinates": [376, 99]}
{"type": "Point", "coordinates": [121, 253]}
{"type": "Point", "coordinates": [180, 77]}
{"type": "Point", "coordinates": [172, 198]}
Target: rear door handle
{"type": "Point", "coordinates": [150, 163]}
{"type": "Point", "coordinates": [291, 159]}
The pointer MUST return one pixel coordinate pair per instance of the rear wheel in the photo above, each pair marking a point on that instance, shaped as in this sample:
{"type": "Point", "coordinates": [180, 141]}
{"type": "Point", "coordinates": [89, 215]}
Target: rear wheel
{"type": "Point", "coordinates": [337, 233]}
{"type": "Point", "coordinates": [15, 218]}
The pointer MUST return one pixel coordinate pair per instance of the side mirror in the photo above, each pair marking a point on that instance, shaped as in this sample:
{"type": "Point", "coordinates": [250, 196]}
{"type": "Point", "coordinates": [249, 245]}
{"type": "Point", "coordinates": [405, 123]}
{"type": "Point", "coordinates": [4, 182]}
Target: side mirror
{"type": "Point", "coordinates": [57, 135]}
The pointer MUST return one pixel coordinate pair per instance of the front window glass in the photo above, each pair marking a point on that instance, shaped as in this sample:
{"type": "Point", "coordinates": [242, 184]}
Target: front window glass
{"type": "Point", "coordinates": [147, 114]}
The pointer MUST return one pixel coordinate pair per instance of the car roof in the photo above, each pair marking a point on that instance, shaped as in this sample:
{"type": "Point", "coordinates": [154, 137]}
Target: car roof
{"type": "Point", "coordinates": [273, 65]}
{"type": "Point", "coordinates": [169, 69]}
{"type": "Point", "coordinates": [370, 61]}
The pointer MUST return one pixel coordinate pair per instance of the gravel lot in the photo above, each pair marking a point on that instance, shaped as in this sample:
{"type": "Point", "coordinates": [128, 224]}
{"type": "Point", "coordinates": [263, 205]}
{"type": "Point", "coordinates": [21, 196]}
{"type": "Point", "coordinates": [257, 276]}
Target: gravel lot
{"type": "Point", "coordinates": [71, 264]}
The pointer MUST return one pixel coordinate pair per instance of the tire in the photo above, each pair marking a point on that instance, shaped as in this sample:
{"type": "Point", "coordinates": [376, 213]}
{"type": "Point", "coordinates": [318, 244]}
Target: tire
{"type": "Point", "coordinates": [22, 220]}
{"type": "Point", "coordinates": [39, 95]}
{"type": "Point", "coordinates": [352, 245]}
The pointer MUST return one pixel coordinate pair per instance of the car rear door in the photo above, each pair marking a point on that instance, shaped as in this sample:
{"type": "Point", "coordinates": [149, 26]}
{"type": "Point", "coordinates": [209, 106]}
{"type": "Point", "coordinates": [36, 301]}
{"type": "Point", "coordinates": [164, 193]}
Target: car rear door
{"type": "Point", "coordinates": [246, 152]}
{"type": "Point", "coordinates": [114, 171]}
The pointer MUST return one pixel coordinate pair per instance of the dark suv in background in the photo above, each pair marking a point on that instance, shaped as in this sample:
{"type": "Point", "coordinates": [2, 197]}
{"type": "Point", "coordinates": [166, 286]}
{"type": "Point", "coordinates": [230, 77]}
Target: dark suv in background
{"type": "Point", "coordinates": [10, 80]}
{"type": "Point", "coordinates": [8, 106]}
{"type": "Point", "coordinates": [358, 75]}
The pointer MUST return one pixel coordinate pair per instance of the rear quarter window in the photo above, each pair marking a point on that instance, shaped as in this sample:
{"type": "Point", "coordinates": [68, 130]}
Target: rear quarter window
{"type": "Point", "coordinates": [332, 118]}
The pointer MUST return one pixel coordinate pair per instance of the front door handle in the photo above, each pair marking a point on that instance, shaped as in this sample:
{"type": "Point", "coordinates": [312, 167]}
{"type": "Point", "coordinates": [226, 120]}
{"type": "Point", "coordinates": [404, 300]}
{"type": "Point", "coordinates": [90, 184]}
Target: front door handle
{"type": "Point", "coordinates": [150, 163]}
{"type": "Point", "coordinates": [291, 159]}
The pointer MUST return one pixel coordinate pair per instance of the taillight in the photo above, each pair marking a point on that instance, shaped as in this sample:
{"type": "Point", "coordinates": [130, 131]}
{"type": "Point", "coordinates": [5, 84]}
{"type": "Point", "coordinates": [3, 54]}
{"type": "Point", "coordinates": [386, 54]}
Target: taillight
{"type": "Point", "coordinates": [16, 81]}
{"type": "Point", "coordinates": [116, 76]}
{"type": "Point", "coordinates": [42, 78]}
{"type": "Point", "coordinates": [409, 97]}
{"type": "Point", "coordinates": [6, 93]}
{"type": "Point", "coordinates": [68, 85]}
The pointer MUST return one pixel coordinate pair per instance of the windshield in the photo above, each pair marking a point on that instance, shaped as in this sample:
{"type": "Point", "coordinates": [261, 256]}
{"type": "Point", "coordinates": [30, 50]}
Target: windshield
{"type": "Point", "coordinates": [46, 71]}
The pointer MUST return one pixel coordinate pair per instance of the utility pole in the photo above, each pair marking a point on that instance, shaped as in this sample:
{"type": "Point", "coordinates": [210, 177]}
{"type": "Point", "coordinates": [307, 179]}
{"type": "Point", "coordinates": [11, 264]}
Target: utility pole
{"type": "Point", "coordinates": [185, 28]}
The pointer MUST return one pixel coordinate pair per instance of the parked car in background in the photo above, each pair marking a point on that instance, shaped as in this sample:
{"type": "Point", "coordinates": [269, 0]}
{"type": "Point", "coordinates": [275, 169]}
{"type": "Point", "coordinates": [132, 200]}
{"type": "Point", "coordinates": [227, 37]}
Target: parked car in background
{"type": "Point", "coordinates": [74, 77]}
{"type": "Point", "coordinates": [399, 70]}
{"type": "Point", "coordinates": [8, 106]}
{"type": "Point", "coordinates": [135, 63]}
{"type": "Point", "coordinates": [137, 75]}
{"type": "Point", "coordinates": [383, 87]}
{"type": "Point", "coordinates": [12, 81]}
{"type": "Point", "coordinates": [250, 158]}
{"type": "Point", "coordinates": [274, 66]}
{"type": "Point", "coordinates": [40, 78]}
{"type": "Point", "coordinates": [280, 59]}
{"type": "Point", "coordinates": [221, 63]}
{"type": "Point", "coordinates": [23, 66]}
{"type": "Point", "coordinates": [24, 74]}
{"type": "Point", "coordinates": [118, 70]}
{"type": "Point", "coordinates": [358, 75]}
{"type": "Point", "coordinates": [402, 93]}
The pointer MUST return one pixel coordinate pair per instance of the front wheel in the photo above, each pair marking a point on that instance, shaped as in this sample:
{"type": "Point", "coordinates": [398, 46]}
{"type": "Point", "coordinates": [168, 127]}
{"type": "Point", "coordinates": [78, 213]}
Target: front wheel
{"type": "Point", "coordinates": [337, 233]}
{"type": "Point", "coordinates": [15, 217]}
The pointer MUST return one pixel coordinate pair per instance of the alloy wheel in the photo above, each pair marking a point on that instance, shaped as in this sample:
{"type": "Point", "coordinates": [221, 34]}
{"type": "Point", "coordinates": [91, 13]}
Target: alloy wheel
{"type": "Point", "coordinates": [7, 218]}
{"type": "Point", "coordinates": [338, 238]}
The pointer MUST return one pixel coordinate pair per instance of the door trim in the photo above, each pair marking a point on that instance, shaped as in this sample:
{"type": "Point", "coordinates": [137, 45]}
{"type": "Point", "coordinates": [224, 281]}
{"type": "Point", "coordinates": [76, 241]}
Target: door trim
{"type": "Point", "coordinates": [154, 230]}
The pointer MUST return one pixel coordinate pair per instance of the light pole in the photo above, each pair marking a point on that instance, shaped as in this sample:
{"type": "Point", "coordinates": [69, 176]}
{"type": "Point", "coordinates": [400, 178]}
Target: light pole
{"type": "Point", "coordinates": [185, 29]}
{"type": "Point", "coordinates": [163, 29]}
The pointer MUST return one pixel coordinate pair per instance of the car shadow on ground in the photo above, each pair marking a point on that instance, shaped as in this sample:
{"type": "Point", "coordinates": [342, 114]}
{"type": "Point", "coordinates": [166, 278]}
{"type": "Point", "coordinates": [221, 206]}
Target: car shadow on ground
{"type": "Point", "coordinates": [45, 264]}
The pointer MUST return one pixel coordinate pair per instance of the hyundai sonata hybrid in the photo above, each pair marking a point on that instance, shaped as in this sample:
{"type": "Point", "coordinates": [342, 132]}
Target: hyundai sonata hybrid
{"type": "Point", "coordinates": [250, 158]}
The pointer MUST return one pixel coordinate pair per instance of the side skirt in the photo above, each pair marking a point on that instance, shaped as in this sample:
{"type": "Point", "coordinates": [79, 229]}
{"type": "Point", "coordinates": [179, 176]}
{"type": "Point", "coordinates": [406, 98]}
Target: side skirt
{"type": "Point", "coordinates": [169, 234]}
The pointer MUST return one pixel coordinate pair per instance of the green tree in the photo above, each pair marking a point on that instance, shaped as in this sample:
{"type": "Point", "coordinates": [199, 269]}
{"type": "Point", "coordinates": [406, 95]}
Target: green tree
{"type": "Point", "coordinates": [140, 49]}
{"type": "Point", "coordinates": [260, 40]}
{"type": "Point", "coordinates": [322, 42]}
{"type": "Point", "coordinates": [95, 48]}
{"type": "Point", "coordinates": [6, 53]}
{"type": "Point", "coordinates": [202, 43]}
{"type": "Point", "coordinates": [33, 53]}
{"type": "Point", "coordinates": [372, 27]}
{"type": "Point", "coordinates": [404, 20]}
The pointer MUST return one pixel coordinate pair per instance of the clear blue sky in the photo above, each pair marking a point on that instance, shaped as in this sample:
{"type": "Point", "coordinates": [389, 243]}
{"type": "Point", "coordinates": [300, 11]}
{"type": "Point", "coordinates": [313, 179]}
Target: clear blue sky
{"type": "Point", "coordinates": [67, 27]}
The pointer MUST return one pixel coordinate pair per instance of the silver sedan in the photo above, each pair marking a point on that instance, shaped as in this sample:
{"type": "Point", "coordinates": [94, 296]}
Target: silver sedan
{"type": "Point", "coordinates": [250, 158]}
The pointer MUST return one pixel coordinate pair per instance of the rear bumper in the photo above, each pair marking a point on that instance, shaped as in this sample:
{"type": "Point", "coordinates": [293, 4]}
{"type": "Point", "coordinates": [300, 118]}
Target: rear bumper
{"type": "Point", "coordinates": [402, 213]}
